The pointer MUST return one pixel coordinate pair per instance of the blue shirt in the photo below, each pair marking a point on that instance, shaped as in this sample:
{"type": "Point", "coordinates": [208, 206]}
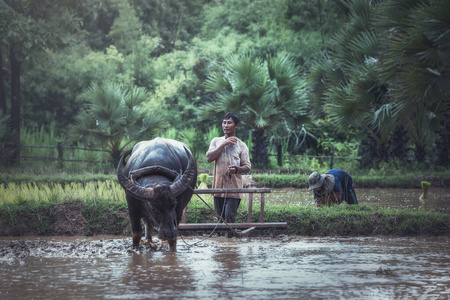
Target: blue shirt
{"type": "Point", "coordinates": [343, 183]}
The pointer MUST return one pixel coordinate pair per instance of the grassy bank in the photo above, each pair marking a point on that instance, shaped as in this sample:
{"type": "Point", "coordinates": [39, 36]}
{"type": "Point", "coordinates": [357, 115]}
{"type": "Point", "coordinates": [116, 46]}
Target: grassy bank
{"type": "Point", "coordinates": [89, 204]}
{"type": "Point", "coordinates": [338, 220]}
{"type": "Point", "coordinates": [73, 210]}
{"type": "Point", "coordinates": [411, 180]}
{"type": "Point", "coordinates": [271, 180]}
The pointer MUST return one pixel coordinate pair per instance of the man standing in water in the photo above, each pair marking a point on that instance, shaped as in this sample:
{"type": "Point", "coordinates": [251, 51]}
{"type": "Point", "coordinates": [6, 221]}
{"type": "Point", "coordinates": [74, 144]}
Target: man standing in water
{"type": "Point", "coordinates": [231, 159]}
{"type": "Point", "coordinates": [332, 187]}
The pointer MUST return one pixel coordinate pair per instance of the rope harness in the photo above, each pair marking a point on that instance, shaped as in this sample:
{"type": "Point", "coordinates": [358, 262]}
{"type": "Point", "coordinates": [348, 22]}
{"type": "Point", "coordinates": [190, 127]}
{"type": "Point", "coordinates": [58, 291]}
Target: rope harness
{"type": "Point", "coordinates": [237, 232]}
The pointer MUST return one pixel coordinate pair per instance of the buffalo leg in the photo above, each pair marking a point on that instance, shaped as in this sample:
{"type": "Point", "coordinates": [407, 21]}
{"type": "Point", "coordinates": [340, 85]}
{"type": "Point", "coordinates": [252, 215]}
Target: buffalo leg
{"type": "Point", "coordinates": [134, 211]}
{"type": "Point", "coordinates": [136, 239]}
{"type": "Point", "coordinates": [173, 245]}
{"type": "Point", "coordinates": [148, 230]}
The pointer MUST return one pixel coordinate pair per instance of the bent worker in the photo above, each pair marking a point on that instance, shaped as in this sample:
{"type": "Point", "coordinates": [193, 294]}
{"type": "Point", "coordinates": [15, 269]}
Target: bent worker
{"type": "Point", "coordinates": [332, 187]}
{"type": "Point", "coordinates": [231, 159]}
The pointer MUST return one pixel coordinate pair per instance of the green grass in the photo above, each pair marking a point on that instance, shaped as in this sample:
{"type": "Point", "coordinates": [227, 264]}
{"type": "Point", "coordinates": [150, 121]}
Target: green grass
{"type": "Point", "coordinates": [55, 192]}
{"type": "Point", "coordinates": [366, 220]}
{"type": "Point", "coordinates": [270, 180]}
{"type": "Point", "coordinates": [301, 180]}
{"type": "Point", "coordinates": [53, 177]}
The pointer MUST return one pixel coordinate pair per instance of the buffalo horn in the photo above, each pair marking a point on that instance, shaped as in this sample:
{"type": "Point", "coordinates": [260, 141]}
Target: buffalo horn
{"type": "Point", "coordinates": [134, 190]}
{"type": "Point", "coordinates": [183, 183]}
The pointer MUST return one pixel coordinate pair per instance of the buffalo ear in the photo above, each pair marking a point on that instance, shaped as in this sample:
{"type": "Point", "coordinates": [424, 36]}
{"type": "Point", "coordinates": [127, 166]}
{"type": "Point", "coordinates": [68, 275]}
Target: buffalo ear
{"type": "Point", "coordinates": [132, 189]}
{"type": "Point", "coordinates": [125, 154]}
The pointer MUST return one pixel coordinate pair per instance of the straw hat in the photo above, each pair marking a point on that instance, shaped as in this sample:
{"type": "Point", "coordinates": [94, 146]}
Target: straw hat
{"type": "Point", "coordinates": [315, 180]}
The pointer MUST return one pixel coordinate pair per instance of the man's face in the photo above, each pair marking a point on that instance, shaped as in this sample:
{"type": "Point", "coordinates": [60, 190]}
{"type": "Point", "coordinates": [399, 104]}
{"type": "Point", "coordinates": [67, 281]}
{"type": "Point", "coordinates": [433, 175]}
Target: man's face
{"type": "Point", "coordinates": [229, 127]}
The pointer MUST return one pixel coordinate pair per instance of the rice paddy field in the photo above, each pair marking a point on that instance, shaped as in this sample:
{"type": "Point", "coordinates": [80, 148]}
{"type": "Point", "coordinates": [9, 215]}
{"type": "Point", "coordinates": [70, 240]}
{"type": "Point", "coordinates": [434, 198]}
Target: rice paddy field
{"type": "Point", "coordinates": [99, 207]}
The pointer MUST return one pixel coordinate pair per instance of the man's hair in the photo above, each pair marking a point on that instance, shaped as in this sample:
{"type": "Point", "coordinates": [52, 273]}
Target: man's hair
{"type": "Point", "coordinates": [232, 116]}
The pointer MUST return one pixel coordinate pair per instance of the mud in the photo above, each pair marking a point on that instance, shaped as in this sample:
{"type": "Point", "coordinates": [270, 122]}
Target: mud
{"type": "Point", "coordinates": [12, 250]}
{"type": "Point", "coordinates": [69, 219]}
{"type": "Point", "coordinates": [285, 267]}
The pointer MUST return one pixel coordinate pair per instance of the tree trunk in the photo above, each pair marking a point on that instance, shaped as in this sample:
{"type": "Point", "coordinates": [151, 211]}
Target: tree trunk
{"type": "Point", "coordinates": [397, 147]}
{"type": "Point", "coordinates": [2, 86]}
{"type": "Point", "coordinates": [420, 153]}
{"type": "Point", "coordinates": [260, 158]}
{"type": "Point", "coordinates": [115, 157]}
{"type": "Point", "coordinates": [280, 155]}
{"type": "Point", "coordinates": [15, 102]}
{"type": "Point", "coordinates": [441, 150]}
{"type": "Point", "coordinates": [372, 153]}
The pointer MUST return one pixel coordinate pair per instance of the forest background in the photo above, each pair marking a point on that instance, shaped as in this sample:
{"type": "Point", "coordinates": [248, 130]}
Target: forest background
{"type": "Point", "coordinates": [357, 78]}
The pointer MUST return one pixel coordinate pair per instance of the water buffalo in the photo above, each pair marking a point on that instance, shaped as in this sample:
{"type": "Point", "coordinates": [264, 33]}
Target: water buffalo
{"type": "Point", "coordinates": [158, 180]}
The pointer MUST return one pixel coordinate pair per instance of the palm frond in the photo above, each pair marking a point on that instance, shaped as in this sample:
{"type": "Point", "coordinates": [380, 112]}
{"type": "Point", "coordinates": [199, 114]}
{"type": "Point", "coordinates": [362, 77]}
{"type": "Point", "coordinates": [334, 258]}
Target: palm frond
{"type": "Point", "coordinates": [262, 116]}
{"type": "Point", "coordinates": [365, 44]}
{"type": "Point", "coordinates": [135, 97]}
{"type": "Point", "coordinates": [217, 82]}
{"type": "Point", "coordinates": [152, 125]}
{"type": "Point", "coordinates": [360, 14]}
{"type": "Point", "coordinates": [347, 107]}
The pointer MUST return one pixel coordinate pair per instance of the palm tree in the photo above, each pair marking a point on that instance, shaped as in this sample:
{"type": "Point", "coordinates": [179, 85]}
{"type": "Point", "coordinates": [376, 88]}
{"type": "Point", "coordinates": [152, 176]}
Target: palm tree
{"type": "Point", "coordinates": [387, 71]}
{"type": "Point", "coordinates": [115, 117]}
{"type": "Point", "coordinates": [415, 36]}
{"type": "Point", "coordinates": [263, 93]}
{"type": "Point", "coordinates": [345, 85]}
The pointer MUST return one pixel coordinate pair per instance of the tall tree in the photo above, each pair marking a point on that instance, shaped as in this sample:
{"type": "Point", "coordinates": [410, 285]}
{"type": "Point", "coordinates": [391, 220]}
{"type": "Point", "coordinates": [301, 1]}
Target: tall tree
{"type": "Point", "coordinates": [345, 85]}
{"type": "Point", "coordinates": [172, 21]}
{"type": "Point", "coordinates": [263, 94]}
{"type": "Point", "coordinates": [387, 70]}
{"type": "Point", "coordinates": [126, 29]}
{"type": "Point", "coordinates": [31, 25]}
{"type": "Point", "coordinates": [2, 86]}
{"type": "Point", "coordinates": [415, 63]}
{"type": "Point", "coordinates": [98, 16]}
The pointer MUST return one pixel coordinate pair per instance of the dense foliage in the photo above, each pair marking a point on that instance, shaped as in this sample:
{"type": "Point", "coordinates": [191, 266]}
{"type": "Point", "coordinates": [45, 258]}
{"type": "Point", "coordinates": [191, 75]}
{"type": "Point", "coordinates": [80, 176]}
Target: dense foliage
{"type": "Point", "coordinates": [387, 74]}
{"type": "Point", "coordinates": [373, 75]}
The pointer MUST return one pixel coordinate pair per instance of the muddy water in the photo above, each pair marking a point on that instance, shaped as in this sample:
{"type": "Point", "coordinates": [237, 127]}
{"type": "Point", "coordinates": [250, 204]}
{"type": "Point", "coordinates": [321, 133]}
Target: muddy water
{"type": "Point", "coordinates": [438, 198]}
{"type": "Point", "coordinates": [257, 268]}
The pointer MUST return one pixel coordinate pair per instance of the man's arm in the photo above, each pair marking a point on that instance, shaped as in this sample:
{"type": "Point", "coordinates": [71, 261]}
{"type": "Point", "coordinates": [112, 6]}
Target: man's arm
{"type": "Point", "coordinates": [239, 169]}
{"type": "Point", "coordinates": [214, 154]}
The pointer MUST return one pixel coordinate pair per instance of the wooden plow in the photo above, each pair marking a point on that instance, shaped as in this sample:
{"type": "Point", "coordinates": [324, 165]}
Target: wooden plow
{"type": "Point", "coordinates": [263, 228]}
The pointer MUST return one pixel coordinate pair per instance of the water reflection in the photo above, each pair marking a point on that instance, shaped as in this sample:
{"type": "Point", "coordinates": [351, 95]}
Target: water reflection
{"type": "Point", "coordinates": [255, 268]}
{"type": "Point", "coordinates": [228, 269]}
{"type": "Point", "coordinates": [154, 274]}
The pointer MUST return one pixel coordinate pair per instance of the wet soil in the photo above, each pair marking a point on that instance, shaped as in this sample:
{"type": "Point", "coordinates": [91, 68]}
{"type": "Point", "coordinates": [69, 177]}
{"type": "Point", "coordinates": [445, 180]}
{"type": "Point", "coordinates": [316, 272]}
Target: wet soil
{"type": "Point", "coordinates": [18, 248]}
{"type": "Point", "coordinates": [67, 218]}
{"type": "Point", "coordinates": [284, 267]}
